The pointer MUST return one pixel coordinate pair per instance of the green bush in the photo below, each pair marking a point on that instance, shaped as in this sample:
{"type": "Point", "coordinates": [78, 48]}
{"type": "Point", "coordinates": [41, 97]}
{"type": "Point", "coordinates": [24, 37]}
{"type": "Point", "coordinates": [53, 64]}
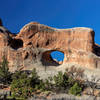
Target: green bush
{"type": "Point", "coordinates": [58, 79]}
{"type": "Point", "coordinates": [68, 82]}
{"type": "Point", "coordinates": [61, 80]}
{"type": "Point", "coordinates": [23, 85]}
{"type": "Point", "coordinates": [40, 86]}
{"type": "Point", "coordinates": [75, 89]}
{"type": "Point", "coordinates": [34, 79]}
{"type": "Point", "coordinates": [20, 86]}
{"type": "Point", "coordinates": [44, 85]}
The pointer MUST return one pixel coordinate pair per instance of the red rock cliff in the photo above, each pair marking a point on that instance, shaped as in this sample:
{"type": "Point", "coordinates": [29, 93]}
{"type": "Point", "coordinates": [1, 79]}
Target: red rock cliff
{"type": "Point", "coordinates": [35, 42]}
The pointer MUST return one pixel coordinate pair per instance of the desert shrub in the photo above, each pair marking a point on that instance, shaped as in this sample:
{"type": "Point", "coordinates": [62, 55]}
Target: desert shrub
{"type": "Point", "coordinates": [48, 83]}
{"type": "Point", "coordinates": [23, 85]}
{"type": "Point", "coordinates": [36, 82]}
{"type": "Point", "coordinates": [34, 79]}
{"type": "Point", "coordinates": [71, 79]}
{"type": "Point", "coordinates": [71, 82]}
{"type": "Point", "coordinates": [20, 86]}
{"type": "Point", "coordinates": [45, 85]}
{"type": "Point", "coordinates": [76, 73]}
{"type": "Point", "coordinates": [5, 75]}
{"type": "Point", "coordinates": [40, 86]}
{"type": "Point", "coordinates": [58, 79]}
{"type": "Point", "coordinates": [61, 80]}
{"type": "Point", "coordinates": [75, 89]}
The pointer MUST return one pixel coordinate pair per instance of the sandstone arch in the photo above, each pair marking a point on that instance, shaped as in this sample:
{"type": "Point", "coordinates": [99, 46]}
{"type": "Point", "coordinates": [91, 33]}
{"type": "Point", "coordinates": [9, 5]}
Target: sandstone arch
{"type": "Point", "coordinates": [47, 60]}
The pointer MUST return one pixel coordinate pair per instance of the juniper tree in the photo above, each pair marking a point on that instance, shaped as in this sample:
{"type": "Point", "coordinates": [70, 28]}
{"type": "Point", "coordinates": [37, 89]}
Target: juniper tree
{"type": "Point", "coordinates": [5, 75]}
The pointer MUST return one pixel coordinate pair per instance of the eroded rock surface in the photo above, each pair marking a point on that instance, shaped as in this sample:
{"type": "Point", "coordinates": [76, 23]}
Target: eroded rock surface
{"type": "Point", "coordinates": [34, 43]}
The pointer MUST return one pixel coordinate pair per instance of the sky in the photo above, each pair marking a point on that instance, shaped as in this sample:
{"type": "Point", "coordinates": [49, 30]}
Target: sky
{"type": "Point", "coordinates": [55, 13]}
{"type": "Point", "coordinates": [57, 55]}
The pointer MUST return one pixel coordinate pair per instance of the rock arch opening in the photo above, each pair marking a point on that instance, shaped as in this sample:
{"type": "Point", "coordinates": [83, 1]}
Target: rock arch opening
{"type": "Point", "coordinates": [52, 58]}
{"type": "Point", "coordinates": [57, 56]}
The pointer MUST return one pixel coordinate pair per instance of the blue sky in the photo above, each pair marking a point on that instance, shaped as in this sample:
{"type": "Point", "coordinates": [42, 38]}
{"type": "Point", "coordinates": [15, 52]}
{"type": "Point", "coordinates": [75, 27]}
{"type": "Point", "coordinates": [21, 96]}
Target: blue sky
{"type": "Point", "coordinates": [57, 55]}
{"type": "Point", "coordinates": [55, 13]}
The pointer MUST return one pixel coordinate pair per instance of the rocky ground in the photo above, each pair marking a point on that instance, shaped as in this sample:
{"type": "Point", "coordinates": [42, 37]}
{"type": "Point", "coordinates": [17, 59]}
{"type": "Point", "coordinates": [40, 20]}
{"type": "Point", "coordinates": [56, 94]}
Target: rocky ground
{"type": "Point", "coordinates": [64, 97]}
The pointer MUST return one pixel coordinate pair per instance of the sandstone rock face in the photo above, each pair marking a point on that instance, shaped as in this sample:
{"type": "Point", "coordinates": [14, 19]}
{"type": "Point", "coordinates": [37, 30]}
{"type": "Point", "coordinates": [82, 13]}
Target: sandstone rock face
{"type": "Point", "coordinates": [46, 37]}
{"type": "Point", "coordinates": [34, 43]}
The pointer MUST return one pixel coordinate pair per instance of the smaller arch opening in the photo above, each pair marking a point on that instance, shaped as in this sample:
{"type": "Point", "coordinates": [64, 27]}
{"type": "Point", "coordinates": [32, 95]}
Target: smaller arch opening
{"type": "Point", "coordinates": [16, 43]}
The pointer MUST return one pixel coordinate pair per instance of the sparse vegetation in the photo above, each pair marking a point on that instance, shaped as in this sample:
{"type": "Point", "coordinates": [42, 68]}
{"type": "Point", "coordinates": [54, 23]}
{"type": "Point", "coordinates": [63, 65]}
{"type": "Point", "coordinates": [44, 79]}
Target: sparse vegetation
{"type": "Point", "coordinates": [59, 79]}
{"type": "Point", "coordinates": [20, 85]}
{"type": "Point", "coordinates": [70, 81]}
{"type": "Point", "coordinates": [5, 75]}
{"type": "Point", "coordinates": [24, 85]}
{"type": "Point", "coordinates": [75, 89]}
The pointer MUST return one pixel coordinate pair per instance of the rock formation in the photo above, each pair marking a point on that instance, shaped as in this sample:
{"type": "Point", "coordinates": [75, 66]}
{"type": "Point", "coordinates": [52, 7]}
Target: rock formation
{"type": "Point", "coordinates": [34, 43]}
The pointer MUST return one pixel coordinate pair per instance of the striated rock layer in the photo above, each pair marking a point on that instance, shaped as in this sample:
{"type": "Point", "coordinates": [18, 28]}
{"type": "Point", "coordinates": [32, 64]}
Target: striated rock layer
{"type": "Point", "coordinates": [34, 43]}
